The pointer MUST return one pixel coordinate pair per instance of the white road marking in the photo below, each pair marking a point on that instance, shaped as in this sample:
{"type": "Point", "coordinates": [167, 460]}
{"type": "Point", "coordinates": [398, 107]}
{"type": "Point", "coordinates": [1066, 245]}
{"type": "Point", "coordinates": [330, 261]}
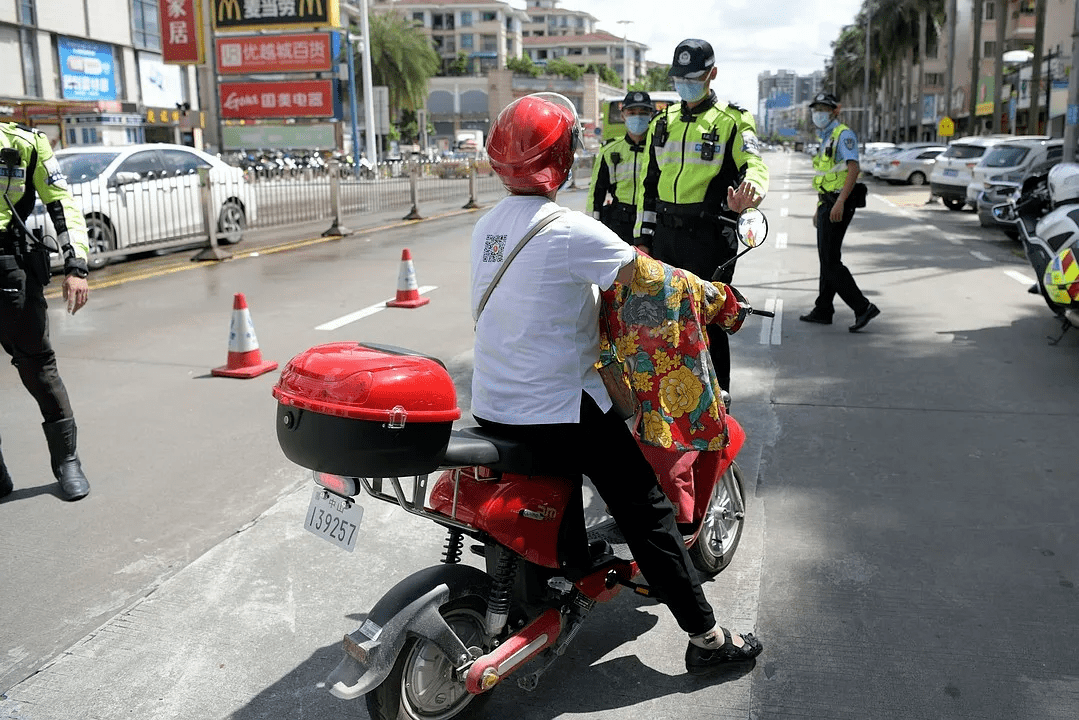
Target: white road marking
{"type": "Point", "coordinates": [981, 256]}
{"type": "Point", "coordinates": [783, 212]}
{"type": "Point", "coordinates": [772, 328]}
{"type": "Point", "coordinates": [786, 196]}
{"type": "Point", "coordinates": [781, 241]}
{"type": "Point", "coordinates": [370, 310]}
{"type": "Point", "coordinates": [884, 200]}
{"type": "Point", "coordinates": [1019, 277]}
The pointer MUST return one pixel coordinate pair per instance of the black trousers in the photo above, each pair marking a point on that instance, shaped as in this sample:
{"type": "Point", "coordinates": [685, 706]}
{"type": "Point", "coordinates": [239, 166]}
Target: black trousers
{"type": "Point", "coordinates": [835, 278]}
{"type": "Point", "coordinates": [700, 249]}
{"type": "Point", "coordinates": [603, 448]}
{"type": "Point", "coordinates": [620, 218]}
{"type": "Point", "coordinates": [24, 335]}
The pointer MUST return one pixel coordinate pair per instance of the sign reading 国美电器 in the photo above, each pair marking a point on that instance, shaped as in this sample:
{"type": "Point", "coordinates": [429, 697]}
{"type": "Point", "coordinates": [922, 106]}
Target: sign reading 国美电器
{"type": "Point", "coordinates": [263, 14]}
{"type": "Point", "coordinates": [284, 99]}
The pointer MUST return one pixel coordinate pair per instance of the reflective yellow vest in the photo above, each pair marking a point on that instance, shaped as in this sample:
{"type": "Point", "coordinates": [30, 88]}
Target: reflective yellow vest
{"type": "Point", "coordinates": [617, 171]}
{"type": "Point", "coordinates": [829, 175]}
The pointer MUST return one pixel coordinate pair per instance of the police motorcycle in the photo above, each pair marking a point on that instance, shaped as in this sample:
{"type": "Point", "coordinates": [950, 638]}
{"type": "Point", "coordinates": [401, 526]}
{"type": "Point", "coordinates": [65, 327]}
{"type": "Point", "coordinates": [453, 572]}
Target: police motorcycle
{"type": "Point", "coordinates": [377, 421]}
{"type": "Point", "coordinates": [1050, 242]}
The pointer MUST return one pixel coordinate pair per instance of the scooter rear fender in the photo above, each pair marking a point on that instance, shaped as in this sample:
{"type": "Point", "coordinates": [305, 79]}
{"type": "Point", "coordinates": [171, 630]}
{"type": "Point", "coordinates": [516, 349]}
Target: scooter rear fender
{"type": "Point", "coordinates": [409, 609]}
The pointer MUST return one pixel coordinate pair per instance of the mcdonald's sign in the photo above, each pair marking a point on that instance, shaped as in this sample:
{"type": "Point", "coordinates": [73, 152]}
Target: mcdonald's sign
{"type": "Point", "coordinates": [265, 14]}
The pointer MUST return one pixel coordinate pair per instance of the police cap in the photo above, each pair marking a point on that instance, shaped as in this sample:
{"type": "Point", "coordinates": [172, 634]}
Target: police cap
{"type": "Point", "coordinates": [692, 59]}
{"type": "Point", "coordinates": [638, 99]}
{"type": "Point", "coordinates": [825, 99]}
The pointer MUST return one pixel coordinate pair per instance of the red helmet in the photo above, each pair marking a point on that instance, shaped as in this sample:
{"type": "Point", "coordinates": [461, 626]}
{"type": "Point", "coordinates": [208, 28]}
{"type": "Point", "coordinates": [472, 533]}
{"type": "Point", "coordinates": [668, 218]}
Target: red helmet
{"type": "Point", "coordinates": [532, 142]}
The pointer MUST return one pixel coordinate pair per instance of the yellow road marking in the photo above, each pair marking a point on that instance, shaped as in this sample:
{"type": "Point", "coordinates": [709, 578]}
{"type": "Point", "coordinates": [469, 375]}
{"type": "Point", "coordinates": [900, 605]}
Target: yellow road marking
{"type": "Point", "coordinates": [268, 250]}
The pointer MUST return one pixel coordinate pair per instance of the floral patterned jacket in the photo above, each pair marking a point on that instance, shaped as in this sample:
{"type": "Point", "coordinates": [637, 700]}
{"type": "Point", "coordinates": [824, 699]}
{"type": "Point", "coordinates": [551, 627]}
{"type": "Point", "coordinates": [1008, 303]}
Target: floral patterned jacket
{"type": "Point", "coordinates": [657, 328]}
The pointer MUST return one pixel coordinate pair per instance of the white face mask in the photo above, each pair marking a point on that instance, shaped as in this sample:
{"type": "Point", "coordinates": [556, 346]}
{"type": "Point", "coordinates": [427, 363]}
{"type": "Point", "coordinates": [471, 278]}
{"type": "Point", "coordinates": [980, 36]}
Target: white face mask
{"type": "Point", "coordinates": [821, 119]}
{"type": "Point", "coordinates": [690, 90]}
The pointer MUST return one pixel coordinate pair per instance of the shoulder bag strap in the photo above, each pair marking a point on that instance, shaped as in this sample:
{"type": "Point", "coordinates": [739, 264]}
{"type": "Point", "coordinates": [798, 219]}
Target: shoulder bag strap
{"type": "Point", "coordinates": [528, 236]}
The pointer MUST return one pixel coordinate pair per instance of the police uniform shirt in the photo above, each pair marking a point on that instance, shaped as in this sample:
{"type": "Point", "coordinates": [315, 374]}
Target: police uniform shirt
{"type": "Point", "coordinates": [846, 146]}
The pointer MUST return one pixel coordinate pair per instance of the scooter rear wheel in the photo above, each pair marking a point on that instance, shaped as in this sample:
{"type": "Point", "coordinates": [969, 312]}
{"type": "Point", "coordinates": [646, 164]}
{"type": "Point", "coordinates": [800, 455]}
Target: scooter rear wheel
{"type": "Point", "coordinates": [721, 528]}
{"type": "Point", "coordinates": [423, 684]}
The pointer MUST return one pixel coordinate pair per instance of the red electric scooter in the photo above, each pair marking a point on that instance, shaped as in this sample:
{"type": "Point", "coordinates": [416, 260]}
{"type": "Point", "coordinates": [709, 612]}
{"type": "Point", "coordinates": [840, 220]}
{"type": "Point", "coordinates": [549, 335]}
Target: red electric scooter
{"type": "Point", "coordinates": [378, 420]}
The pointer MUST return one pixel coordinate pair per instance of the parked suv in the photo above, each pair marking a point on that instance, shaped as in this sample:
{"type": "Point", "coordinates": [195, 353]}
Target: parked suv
{"type": "Point", "coordinates": [1012, 161]}
{"type": "Point", "coordinates": [952, 172]}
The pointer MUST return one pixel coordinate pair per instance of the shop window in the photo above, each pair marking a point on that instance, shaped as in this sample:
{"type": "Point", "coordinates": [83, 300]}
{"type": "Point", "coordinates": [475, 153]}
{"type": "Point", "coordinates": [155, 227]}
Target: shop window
{"type": "Point", "coordinates": [145, 30]}
{"type": "Point", "coordinates": [89, 136]}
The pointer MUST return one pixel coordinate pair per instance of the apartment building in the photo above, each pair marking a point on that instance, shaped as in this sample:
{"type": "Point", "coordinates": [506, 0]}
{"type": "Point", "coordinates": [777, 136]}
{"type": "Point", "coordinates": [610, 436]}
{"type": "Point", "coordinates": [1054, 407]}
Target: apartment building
{"type": "Point", "coordinates": [547, 19]}
{"type": "Point", "coordinates": [488, 32]}
{"type": "Point", "coordinates": [599, 48]}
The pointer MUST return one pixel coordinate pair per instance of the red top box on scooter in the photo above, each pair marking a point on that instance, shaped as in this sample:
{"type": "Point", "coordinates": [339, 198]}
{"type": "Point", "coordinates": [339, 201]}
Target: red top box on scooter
{"type": "Point", "coordinates": [365, 410]}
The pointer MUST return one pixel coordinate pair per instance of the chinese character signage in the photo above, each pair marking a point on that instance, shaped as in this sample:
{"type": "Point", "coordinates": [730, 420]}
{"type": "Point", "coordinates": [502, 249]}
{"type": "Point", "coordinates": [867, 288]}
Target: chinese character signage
{"type": "Point", "coordinates": [87, 70]}
{"type": "Point", "coordinates": [285, 99]}
{"type": "Point", "coordinates": [181, 31]}
{"type": "Point", "coordinates": [263, 14]}
{"type": "Point", "coordinates": [253, 54]}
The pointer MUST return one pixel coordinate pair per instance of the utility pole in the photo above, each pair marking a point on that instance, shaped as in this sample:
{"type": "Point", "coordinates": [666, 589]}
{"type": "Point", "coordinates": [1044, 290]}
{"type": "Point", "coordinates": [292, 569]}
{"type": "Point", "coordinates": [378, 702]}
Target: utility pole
{"type": "Point", "coordinates": [1036, 72]}
{"type": "Point", "coordinates": [952, 9]}
{"type": "Point", "coordinates": [975, 66]}
{"type": "Point", "coordinates": [625, 54]}
{"type": "Point", "coordinates": [1000, 11]}
{"type": "Point", "coordinates": [368, 88]}
{"type": "Point", "coordinates": [1071, 114]}
{"type": "Point", "coordinates": [867, 114]}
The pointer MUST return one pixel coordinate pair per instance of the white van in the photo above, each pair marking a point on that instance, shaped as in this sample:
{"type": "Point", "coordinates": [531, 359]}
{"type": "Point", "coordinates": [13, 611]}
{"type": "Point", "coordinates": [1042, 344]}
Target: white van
{"type": "Point", "coordinates": [952, 172]}
{"type": "Point", "coordinates": [1012, 161]}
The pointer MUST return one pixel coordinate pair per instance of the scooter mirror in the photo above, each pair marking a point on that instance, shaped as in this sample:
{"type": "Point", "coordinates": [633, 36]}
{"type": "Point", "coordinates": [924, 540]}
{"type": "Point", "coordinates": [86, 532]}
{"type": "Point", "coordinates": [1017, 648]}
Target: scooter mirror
{"type": "Point", "coordinates": [752, 227]}
{"type": "Point", "coordinates": [1002, 211]}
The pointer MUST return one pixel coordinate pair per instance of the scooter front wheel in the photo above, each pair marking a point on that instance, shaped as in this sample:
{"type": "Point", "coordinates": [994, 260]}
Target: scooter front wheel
{"type": "Point", "coordinates": [721, 528]}
{"type": "Point", "coordinates": [423, 684]}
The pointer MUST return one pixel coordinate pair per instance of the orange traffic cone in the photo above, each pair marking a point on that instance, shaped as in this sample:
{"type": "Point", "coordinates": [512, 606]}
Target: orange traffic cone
{"type": "Point", "coordinates": [408, 292]}
{"type": "Point", "coordinates": [245, 359]}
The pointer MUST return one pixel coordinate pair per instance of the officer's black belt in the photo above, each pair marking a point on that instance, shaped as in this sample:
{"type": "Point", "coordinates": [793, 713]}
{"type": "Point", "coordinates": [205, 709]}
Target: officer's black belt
{"type": "Point", "coordinates": [684, 216]}
{"type": "Point", "coordinates": [622, 212]}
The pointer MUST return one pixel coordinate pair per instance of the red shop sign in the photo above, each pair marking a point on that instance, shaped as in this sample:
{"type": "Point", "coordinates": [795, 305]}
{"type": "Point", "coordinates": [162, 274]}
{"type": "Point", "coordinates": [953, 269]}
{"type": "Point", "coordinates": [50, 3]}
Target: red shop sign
{"type": "Point", "coordinates": [286, 99]}
{"type": "Point", "coordinates": [303, 52]}
{"type": "Point", "coordinates": [181, 31]}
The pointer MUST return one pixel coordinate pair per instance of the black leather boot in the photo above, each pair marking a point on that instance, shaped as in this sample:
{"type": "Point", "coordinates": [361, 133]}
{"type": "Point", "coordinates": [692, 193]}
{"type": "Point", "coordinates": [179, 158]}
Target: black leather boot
{"type": "Point", "coordinates": [65, 462]}
{"type": "Point", "coordinates": [6, 486]}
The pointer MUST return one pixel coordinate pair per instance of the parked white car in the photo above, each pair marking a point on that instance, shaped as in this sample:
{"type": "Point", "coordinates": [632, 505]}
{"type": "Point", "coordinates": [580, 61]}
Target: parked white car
{"type": "Point", "coordinates": [146, 197]}
{"type": "Point", "coordinates": [909, 167]}
{"type": "Point", "coordinates": [954, 168]}
{"type": "Point", "coordinates": [1012, 161]}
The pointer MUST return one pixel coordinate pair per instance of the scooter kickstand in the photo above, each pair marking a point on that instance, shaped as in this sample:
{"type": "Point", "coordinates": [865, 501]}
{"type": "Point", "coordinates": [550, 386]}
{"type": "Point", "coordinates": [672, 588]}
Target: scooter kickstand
{"type": "Point", "coordinates": [1065, 326]}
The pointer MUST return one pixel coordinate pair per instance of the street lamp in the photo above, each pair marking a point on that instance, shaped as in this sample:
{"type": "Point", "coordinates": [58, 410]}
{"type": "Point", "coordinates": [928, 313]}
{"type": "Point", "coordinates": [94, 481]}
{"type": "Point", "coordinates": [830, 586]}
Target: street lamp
{"type": "Point", "coordinates": [625, 55]}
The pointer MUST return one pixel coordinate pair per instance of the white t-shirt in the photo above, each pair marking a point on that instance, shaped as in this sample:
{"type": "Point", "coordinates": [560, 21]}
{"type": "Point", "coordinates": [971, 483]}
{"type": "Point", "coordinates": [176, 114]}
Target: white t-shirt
{"type": "Point", "coordinates": [538, 338]}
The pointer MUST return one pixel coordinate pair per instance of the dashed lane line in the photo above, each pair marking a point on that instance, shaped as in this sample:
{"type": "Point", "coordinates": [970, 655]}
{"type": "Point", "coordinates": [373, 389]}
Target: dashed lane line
{"type": "Point", "coordinates": [1019, 277]}
{"type": "Point", "coordinates": [781, 241]}
{"type": "Point", "coordinates": [370, 310]}
{"type": "Point", "coordinates": [981, 256]}
{"type": "Point", "coordinates": [772, 328]}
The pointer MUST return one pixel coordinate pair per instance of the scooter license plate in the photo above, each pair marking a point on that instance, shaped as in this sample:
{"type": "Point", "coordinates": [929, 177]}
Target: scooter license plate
{"type": "Point", "coordinates": [333, 518]}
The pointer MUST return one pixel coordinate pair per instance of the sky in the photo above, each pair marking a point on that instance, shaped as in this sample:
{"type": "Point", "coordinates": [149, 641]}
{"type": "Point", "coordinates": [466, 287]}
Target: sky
{"type": "Point", "coordinates": [749, 36]}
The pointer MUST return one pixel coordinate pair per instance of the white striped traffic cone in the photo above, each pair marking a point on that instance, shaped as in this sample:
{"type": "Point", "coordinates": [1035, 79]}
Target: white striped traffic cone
{"type": "Point", "coordinates": [245, 358]}
{"type": "Point", "coordinates": [408, 292]}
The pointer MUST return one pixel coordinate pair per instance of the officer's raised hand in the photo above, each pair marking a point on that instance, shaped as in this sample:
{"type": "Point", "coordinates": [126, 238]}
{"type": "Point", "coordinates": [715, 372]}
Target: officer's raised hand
{"type": "Point", "coordinates": [746, 196]}
{"type": "Point", "coordinates": [76, 293]}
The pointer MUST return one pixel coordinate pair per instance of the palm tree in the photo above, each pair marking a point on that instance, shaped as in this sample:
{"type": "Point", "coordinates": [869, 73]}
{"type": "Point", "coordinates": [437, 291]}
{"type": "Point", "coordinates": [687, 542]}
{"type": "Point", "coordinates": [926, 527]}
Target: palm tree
{"type": "Point", "coordinates": [402, 59]}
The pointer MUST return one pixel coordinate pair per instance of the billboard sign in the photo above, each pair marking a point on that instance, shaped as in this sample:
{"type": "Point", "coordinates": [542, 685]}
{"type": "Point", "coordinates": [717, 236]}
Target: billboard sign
{"type": "Point", "coordinates": [256, 15]}
{"type": "Point", "coordinates": [87, 70]}
{"type": "Point", "coordinates": [253, 54]}
{"type": "Point", "coordinates": [284, 99]}
{"type": "Point", "coordinates": [181, 31]}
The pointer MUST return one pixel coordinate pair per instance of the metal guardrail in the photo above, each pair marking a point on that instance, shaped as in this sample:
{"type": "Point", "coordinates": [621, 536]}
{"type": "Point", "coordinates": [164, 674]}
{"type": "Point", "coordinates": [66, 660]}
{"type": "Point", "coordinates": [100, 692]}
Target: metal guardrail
{"type": "Point", "coordinates": [148, 214]}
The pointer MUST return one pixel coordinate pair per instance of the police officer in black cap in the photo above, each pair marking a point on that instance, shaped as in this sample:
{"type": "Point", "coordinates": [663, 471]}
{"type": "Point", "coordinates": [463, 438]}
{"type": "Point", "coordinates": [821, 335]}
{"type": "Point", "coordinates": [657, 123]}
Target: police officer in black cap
{"type": "Point", "coordinates": [704, 164]}
{"type": "Point", "coordinates": [618, 169]}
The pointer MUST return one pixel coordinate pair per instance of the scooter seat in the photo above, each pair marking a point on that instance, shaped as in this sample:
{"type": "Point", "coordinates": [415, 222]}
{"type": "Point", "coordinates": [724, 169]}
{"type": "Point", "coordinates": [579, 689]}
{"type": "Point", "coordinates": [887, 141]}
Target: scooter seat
{"type": "Point", "coordinates": [481, 446]}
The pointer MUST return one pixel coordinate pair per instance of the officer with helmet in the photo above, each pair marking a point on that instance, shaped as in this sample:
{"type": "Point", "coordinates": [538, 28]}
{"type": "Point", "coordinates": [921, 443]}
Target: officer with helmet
{"type": "Point", "coordinates": [28, 170]}
{"type": "Point", "coordinates": [617, 171]}
{"type": "Point", "coordinates": [537, 342]}
{"type": "Point", "coordinates": [836, 175]}
{"type": "Point", "coordinates": [704, 165]}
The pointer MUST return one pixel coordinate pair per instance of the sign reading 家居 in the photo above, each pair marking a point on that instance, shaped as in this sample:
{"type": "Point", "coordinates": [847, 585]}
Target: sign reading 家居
{"type": "Point", "coordinates": [283, 99]}
{"type": "Point", "coordinates": [253, 54]}
{"type": "Point", "coordinates": [181, 31]}
{"type": "Point", "coordinates": [264, 14]}
{"type": "Point", "coordinates": [87, 70]}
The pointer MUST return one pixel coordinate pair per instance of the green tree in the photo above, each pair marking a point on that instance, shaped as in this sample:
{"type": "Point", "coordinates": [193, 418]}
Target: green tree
{"type": "Point", "coordinates": [460, 66]}
{"type": "Point", "coordinates": [655, 79]}
{"type": "Point", "coordinates": [606, 74]}
{"type": "Point", "coordinates": [566, 69]}
{"type": "Point", "coordinates": [524, 66]}
{"type": "Point", "coordinates": [402, 59]}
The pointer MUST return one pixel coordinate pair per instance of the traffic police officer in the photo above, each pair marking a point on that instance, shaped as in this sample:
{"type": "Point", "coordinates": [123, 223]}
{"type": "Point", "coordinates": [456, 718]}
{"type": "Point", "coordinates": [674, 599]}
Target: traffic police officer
{"type": "Point", "coordinates": [618, 169]}
{"type": "Point", "coordinates": [836, 175]}
{"type": "Point", "coordinates": [27, 170]}
{"type": "Point", "coordinates": [704, 165]}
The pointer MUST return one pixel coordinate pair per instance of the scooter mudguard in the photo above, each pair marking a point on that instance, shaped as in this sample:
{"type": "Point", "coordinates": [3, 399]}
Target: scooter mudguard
{"type": "Point", "coordinates": [409, 609]}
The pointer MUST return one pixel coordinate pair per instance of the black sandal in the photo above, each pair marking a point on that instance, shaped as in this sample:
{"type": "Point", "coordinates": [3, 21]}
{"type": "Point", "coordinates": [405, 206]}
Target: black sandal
{"type": "Point", "coordinates": [701, 660]}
